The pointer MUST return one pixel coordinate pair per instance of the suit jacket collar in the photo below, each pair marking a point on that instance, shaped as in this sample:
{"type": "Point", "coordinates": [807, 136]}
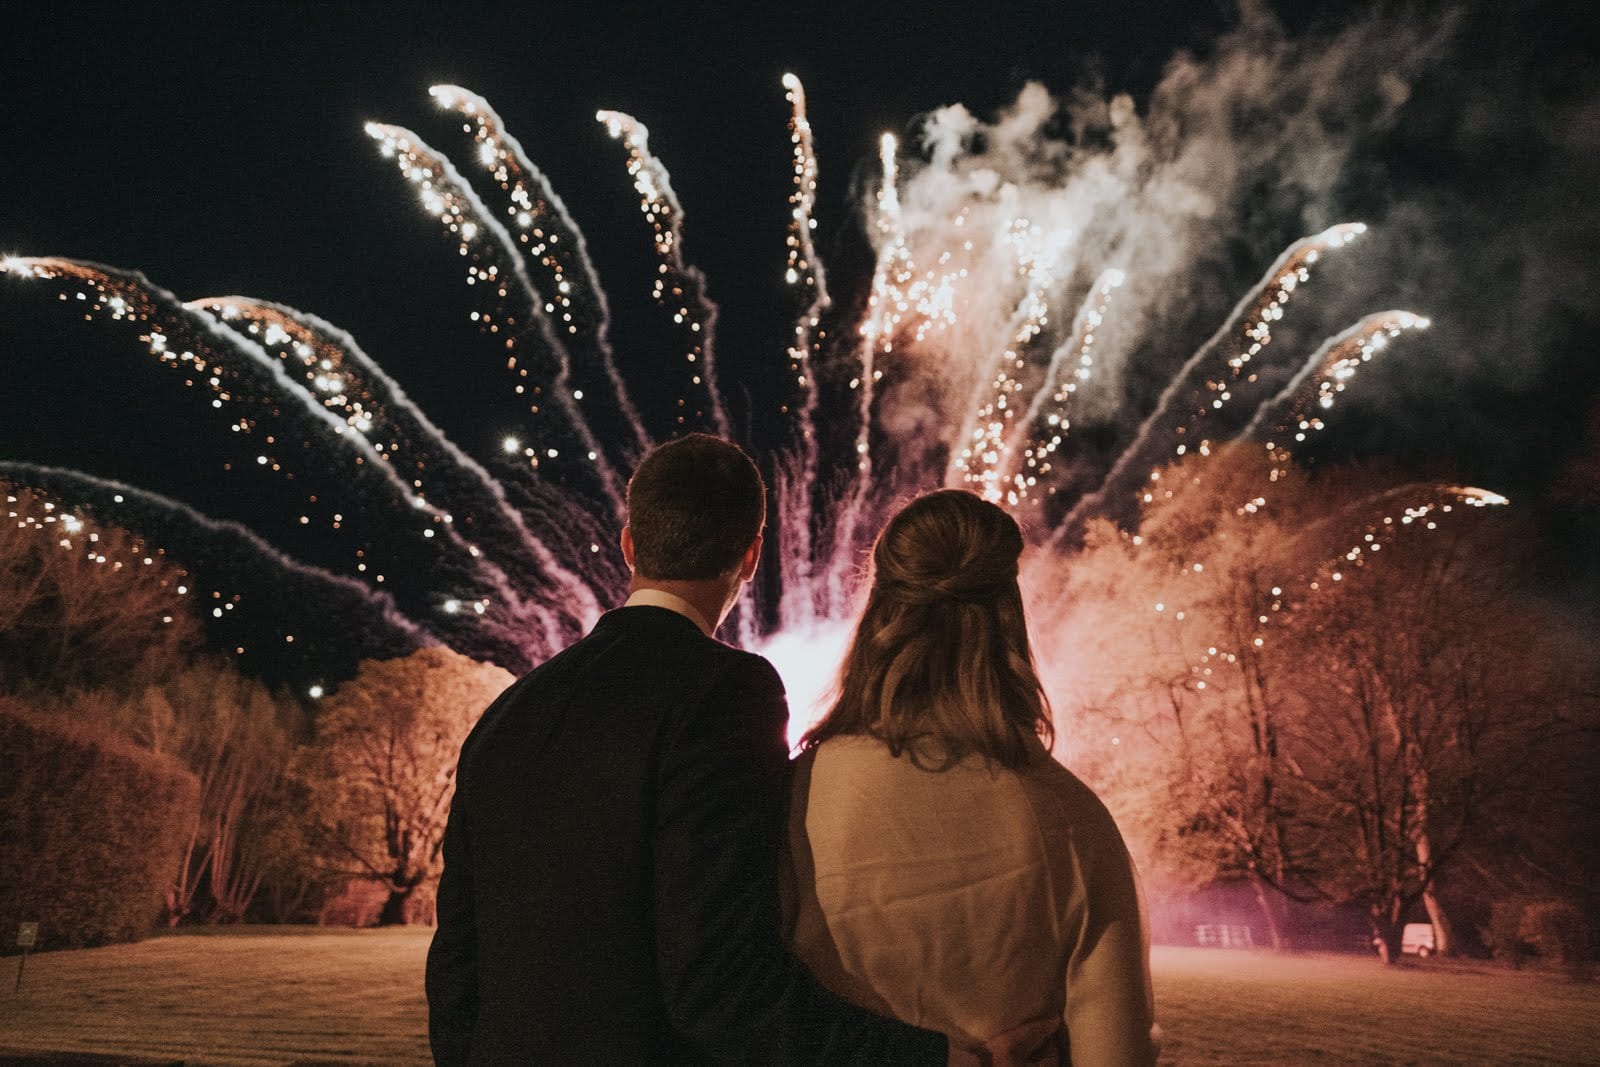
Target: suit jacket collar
{"type": "Point", "coordinates": [648, 617]}
{"type": "Point", "coordinates": [660, 598]}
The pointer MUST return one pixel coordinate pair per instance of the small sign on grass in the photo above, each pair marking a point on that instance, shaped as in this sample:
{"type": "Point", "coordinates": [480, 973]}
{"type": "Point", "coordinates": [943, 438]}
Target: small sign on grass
{"type": "Point", "coordinates": [27, 937]}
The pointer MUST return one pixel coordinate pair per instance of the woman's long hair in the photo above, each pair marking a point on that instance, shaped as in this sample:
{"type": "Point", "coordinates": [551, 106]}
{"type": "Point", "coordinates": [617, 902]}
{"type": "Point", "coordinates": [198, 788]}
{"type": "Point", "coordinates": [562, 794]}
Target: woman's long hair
{"type": "Point", "coordinates": [940, 666]}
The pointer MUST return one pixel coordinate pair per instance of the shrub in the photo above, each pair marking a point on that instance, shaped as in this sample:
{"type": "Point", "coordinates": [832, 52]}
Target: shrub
{"type": "Point", "coordinates": [1503, 935]}
{"type": "Point", "coordinates": [90, 827]}
{"type": "Point", "coordinates": [1560, 932]}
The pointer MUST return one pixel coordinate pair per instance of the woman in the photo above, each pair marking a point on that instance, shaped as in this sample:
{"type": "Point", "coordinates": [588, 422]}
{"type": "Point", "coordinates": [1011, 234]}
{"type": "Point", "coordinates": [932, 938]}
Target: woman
{"type": "Point", "coordinates": [944, 869]}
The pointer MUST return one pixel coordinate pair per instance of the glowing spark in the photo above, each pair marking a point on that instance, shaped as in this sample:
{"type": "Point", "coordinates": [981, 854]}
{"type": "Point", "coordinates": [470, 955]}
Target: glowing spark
{"type": "Point", "coordinates": [1239, 341]}
{"type": "Point", "coordinates": [796, 483]}
{"type": "Point", "coordinates": [989, 436]}
{"type": "Point", "coordinates": [679, 287]}
{"type": "Point", "coordinates": [1313, 391]}
{"type": "Point", "coordinates": [1047, 417]}
{"type": "Point", "coordinates": [554, 245]}
{"type": "Point", "coordinates": [893, 265]}
{"type": "Point", "coordinates": [496, 266]}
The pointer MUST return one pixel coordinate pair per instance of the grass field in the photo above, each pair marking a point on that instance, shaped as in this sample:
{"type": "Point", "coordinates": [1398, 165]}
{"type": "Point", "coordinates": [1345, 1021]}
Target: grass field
{"type": "Point", "coordinates": [271, 996]}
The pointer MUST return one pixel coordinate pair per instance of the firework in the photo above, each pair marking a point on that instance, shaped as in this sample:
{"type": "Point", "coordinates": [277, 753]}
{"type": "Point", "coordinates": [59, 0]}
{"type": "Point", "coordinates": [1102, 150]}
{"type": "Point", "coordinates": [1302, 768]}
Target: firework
{"type": "Point", "coordinates": [288, 431]}
{"type": "Point", "coordinates": [542, 370]}
{"type": "Point", "coordinates": [303, 399]}
{"type": "Point", "coordinates": [557, 255]}
{"type": "Point", "coordinates": [1046, 422]}
{"type": "Point", "coordinates": [679, 288]}
{"type": "Point", "coordinates": [795, 481]}
{"type": "Point", "coordinates": [333, 369]}
{"type": "Point", "coordinates": [1297, 411]}
{"type": "Point", "coordinates": [1184, 406]}
{"type": "Point", "coordinates": [1419, 505]}
{"type": "Point", "coordinates": [985, 445]}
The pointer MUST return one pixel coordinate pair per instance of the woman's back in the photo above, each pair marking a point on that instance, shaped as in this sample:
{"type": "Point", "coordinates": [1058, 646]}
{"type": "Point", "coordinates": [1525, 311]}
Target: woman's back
{"type": "Point", "coordinates": [946, 870]}
{"type": "Point", "coordinates": [970, 899]}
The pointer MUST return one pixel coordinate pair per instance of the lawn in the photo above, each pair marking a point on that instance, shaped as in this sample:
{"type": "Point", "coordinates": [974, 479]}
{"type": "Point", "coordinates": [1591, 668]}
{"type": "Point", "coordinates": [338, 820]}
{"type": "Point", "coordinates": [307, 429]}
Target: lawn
{"type": "Point", "coordinates": [269, 996]}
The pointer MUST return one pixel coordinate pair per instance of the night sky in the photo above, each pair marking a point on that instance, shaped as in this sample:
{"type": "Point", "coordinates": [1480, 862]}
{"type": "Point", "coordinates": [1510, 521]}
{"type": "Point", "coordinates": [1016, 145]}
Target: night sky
{"type": "Point", "coordinates": [223, 153]}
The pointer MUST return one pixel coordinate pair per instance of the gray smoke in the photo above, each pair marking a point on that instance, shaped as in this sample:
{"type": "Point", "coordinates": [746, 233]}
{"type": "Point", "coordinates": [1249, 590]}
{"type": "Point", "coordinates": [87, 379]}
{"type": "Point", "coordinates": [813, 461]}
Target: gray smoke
{"type": "Point", "coordinates": [1477, 179]}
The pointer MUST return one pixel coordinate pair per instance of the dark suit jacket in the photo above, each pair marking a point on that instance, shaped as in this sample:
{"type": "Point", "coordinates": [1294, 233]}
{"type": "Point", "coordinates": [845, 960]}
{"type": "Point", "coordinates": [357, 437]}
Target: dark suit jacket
{"type": "Point", "coordinates": [610, 881]}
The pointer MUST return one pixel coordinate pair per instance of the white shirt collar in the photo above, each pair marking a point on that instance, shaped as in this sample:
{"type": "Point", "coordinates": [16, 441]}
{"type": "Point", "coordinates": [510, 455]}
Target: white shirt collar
{"type": "Point", "coordinates": [660, 598]}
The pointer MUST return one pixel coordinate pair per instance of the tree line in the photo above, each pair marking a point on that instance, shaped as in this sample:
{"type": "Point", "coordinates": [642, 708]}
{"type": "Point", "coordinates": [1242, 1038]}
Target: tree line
{"type": "Point", "coordinates": [1338, 691]}
{"type": "Point", "coordinates": [303, 807]}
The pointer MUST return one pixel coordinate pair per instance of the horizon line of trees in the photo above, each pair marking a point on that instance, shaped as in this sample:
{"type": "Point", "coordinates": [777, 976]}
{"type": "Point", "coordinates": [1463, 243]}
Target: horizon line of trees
{"type": "Point", "coordinates": [1335, 693]}
{"type": "Point", "coordinates": [304, 809]}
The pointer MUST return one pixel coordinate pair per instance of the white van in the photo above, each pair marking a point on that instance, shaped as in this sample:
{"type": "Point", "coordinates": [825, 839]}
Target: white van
{"type": "Point", "coordinates": [1417, 940]}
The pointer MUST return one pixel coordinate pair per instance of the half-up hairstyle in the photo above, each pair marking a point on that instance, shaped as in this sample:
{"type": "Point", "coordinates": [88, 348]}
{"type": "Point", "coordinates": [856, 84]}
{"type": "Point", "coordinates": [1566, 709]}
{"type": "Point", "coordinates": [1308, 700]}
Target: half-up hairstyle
{"type": "Point", "coordinates": [940, 666]}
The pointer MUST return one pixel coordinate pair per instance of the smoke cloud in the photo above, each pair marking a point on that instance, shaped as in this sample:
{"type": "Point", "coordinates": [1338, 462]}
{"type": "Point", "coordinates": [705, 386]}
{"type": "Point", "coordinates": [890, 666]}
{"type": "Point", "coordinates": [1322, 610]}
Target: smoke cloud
{"type": "Point", "coordinates": [1475, 173]}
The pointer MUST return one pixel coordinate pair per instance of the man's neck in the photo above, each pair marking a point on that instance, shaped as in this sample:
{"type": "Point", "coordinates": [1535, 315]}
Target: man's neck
{"type": "Point", "coordinates": [700, 602]}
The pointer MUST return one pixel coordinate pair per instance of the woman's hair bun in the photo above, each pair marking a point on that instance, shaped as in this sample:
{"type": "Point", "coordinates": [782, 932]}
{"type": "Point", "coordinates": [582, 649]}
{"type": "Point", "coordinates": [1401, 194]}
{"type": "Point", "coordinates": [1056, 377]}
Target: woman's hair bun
{"type": "Point", "coordinates": [948, 546]}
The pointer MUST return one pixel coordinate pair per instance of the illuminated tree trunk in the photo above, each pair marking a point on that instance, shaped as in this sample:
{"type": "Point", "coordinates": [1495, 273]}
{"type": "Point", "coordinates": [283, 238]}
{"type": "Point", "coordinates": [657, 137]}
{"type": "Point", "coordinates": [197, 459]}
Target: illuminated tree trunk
{"type": "Point", "coordinates": [1442, 932]}
{"type": "Point", "coordinates": [1386, 933]}
{"type": "Point", "coordinates": [394, 911]}
{"type": "Point", "coordinates": [1268, 901]}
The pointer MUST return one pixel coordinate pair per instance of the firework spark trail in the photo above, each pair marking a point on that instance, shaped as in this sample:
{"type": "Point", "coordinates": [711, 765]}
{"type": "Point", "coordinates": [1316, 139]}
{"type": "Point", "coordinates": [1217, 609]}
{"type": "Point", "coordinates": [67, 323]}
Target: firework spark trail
{"type": "Point", "coordinates": [225, 557]}
{"type": "Point", "coordinates": [1261, 309]}
{"type": "Point", "coordinates": [796, 475]}
{"type": "Point", "coordinates": [803, 267]}
{"type": "Point", "coordinates": [347, 381]}
{"type": "Point", "coordinates": [1327, 372]}
{"type": "Point", "coordinates": [129, 296]}
{"type": "Point", "coordinates": [447, 196]}
{"type": "Point", "coordinates": [239, 373]}
{"type": "Point", "coordinates": [1426, 499]}
{"type": "Point", "coordinates": [1047, 416]}
{"type": "Point", "coordinates": [554, 246]}
{"type": "Point", "coordinates": [886, 302]}
{"type": "Point", "coordinates": [1387, 515]}
{"type": "Point", "coordinates": [62, 521]}
{"type": "Point", "coordinates": [982, 451]}
{"type": "Point", "coordinates": [1247, 331]}
{"type": "Point", "coordinates": [1296, 411]}
{"type": "Point", "coordinates": [679, 287]}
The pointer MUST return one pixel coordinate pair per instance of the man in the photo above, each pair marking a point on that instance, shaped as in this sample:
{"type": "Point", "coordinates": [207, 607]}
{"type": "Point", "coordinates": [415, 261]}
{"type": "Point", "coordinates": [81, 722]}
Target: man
{"type": "Point", "coordinates": [610, 882]}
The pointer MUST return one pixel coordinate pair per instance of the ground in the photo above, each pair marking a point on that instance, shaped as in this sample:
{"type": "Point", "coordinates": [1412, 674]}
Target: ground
{"type": "Point", "coordinates": [275, 996]}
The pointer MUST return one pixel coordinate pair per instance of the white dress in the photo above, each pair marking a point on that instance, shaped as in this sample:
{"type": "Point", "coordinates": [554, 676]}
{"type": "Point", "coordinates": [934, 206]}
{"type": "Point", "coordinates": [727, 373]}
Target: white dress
{"type": "Point", "coordinates": [969, 900]}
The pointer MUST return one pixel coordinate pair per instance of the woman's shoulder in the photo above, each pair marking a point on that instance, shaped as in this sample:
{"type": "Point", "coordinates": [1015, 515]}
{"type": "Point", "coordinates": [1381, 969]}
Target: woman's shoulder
{"type": "Point", "coordinates": [858, 771]}
{"type": "Point", "coordinates": [849, 748]}
{"type": "Point", "coordinates": [1066, 800]}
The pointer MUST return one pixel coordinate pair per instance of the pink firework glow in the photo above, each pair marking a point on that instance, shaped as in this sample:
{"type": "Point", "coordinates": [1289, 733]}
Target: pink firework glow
{"type": "Point", "coordinates": [988, 315]}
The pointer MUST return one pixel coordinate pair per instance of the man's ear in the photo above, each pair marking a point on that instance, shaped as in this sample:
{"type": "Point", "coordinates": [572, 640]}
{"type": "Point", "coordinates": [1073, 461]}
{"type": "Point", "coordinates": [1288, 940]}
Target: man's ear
{"type": "Point", "coordinates": [627, 547]}
{"type": "Point", "coordinates": [752, 556]}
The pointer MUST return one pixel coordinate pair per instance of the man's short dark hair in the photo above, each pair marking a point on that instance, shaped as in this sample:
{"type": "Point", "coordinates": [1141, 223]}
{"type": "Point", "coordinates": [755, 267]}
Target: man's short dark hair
{"type": "Point", "coordinates": [694, 506]}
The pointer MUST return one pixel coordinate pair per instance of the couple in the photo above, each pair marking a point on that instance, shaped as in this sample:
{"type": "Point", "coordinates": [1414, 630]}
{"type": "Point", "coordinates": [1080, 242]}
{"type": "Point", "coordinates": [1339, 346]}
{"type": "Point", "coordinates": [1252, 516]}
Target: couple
{"type": "Point", "coordinates": [635, 873]}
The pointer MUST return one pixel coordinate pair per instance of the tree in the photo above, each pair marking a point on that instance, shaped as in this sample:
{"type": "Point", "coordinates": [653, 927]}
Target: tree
{"type": "Point", "coordinates": [237, 737]}
{"type": "Point", "coordinates": [85, 605]}
{"type": "Point", "coordinates": [1440, 696]}
{"type": "Point", "coordinates": [380, 772]}
{"type": "Point", "coordinates": [1189, 676]}
{"type": "Point", "coordinates": [1327, 688]}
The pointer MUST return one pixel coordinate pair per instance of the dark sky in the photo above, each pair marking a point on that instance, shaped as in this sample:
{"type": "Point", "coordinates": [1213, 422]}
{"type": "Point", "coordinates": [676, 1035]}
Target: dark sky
{"type": "Point", "coordinates": [222, 152]}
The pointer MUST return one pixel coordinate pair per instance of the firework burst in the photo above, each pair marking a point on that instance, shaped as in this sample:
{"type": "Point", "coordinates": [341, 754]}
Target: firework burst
{"type": "Point", "coordinates": [511, 565]}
